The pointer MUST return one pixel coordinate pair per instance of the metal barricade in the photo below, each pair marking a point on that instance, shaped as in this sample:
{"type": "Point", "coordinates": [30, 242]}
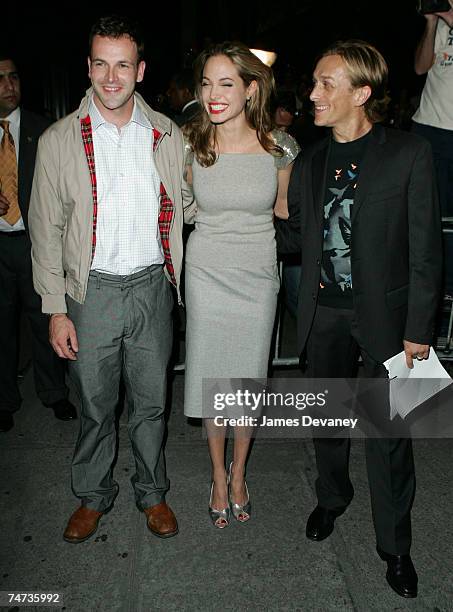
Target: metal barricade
{"type": "Point", "coordinates": [444, 348]}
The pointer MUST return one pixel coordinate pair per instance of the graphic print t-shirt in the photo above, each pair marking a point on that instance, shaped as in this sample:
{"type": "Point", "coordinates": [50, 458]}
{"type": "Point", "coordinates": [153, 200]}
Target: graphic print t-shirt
{"type": "Point", "coordinates": [342, 176]}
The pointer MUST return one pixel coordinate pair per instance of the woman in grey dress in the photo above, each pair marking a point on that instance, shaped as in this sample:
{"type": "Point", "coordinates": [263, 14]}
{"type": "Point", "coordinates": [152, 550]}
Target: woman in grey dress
{"type": "Point", "coordinates": [239, 170]}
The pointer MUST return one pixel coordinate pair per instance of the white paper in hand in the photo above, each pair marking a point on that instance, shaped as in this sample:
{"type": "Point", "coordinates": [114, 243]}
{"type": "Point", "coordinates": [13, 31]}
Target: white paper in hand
{"type": "Point", "coordinates": [410, 388]}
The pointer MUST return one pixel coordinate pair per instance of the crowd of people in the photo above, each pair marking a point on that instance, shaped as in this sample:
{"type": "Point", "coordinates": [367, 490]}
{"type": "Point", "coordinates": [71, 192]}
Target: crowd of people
{"type": "Point", "coordinates": [92, 248]}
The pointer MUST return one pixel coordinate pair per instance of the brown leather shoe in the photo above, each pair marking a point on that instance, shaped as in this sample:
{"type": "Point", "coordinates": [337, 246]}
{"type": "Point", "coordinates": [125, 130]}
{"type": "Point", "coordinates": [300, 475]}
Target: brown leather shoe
{"type": "Point", "coordinates": [161, 521]}
{"type": "Point", "coordinates": [82, 524]}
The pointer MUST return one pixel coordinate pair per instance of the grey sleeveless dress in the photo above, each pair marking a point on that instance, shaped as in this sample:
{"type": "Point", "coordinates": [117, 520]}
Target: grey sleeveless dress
{"type": "Point", "coordinates": [231, 282]}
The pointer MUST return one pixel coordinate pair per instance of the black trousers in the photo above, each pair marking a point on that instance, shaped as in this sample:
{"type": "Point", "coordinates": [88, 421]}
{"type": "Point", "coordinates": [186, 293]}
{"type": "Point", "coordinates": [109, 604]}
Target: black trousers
{"type": "Point", "coordinates": [333, 350]}
{"type": "Point", "coordinates": [16, 293]}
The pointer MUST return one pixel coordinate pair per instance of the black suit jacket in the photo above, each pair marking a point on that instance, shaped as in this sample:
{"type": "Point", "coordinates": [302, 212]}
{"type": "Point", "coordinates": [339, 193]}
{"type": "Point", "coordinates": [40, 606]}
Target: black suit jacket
{"type": "Point", "coordinates": [396, 256]}
{"type": "Point", "coordinates": [31, 128]}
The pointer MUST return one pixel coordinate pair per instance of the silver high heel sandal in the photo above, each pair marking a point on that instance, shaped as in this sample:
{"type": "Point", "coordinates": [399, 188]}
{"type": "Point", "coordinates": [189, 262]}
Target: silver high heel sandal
{"type": "Point", "coordinates": [219, 518]}
{"type": "Point", "coordinates": [241, 512]}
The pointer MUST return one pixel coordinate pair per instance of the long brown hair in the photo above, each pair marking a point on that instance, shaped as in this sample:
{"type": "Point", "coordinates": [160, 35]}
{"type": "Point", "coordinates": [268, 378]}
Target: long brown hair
{"type": "Point", "coordinates": [201, 133]}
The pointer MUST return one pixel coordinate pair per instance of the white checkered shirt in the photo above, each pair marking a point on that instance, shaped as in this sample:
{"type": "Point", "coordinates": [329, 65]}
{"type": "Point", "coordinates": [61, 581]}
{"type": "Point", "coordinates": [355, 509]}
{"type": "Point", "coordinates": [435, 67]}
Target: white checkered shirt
{"type": "Point", "coordinates": [128, 187]}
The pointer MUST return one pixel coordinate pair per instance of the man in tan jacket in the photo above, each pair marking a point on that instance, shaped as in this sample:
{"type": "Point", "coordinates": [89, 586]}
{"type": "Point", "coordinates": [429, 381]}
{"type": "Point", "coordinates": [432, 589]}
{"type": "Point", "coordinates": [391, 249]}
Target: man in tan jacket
{"type": "Point", "coordinates": [105, 222]}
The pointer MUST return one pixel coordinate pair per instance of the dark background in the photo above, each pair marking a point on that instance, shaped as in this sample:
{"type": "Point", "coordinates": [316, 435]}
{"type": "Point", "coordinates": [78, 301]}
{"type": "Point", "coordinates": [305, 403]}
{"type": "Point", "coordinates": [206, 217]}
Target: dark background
{"type": "Point", "coordinates": [50, 40]}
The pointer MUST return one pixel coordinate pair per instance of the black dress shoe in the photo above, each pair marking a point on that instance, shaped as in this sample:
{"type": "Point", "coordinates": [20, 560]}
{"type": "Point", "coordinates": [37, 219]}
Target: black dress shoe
{"type": "Point", "coordinates": [321, 522]}
{"type": "Point", "coordinates": [401, 574]}
{"type": "Point", "coordinates": [63, 410]}
{"type": "Point", "coordinates": [6, 420]}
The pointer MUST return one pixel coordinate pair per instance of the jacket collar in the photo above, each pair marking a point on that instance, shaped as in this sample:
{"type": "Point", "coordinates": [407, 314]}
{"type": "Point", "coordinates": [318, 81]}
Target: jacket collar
{"type": "Point", "coordinates": [378, 133]}
{"type": "Point", "coordinates": [158, 121]}
{"type": "Point", "coordinates": [371, 165]}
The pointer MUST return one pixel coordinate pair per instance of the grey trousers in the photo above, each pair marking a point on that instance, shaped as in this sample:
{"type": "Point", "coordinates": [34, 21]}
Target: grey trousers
{"type": "Point", "coordinates": [124, 328]}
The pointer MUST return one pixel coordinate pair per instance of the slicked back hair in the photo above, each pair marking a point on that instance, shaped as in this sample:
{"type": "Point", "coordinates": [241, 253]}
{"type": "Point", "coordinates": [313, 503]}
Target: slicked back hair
{"type": "Point", "coordinates": [365, 66]}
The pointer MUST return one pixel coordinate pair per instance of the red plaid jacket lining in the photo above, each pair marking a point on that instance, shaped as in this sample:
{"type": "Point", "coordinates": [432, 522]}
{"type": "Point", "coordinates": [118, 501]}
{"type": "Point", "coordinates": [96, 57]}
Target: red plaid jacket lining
{"type": "Point", "coordinates": [166, 206]}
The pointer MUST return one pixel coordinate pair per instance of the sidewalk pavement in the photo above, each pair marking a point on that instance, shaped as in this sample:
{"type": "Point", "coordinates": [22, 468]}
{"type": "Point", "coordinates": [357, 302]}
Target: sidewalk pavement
{"type": "Point", "coordinates": [266, 564]}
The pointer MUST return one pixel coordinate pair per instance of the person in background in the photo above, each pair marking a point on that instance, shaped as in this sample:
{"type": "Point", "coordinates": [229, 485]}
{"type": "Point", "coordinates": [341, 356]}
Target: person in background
{"type": "Point", "coordinates": [105, 220]}
{"type": "Point", "coordinates": [434, 117]}
{"type": "Point", "coordinates": [19, 133]}
{"type": "Point", "coordinates": [284, 110]}
{"type": "Point", "coordinates": [181, 97]}
{"type": "Point", "coordinates": [240, 170]}
{"type": "Point", "coordinates": [283, 114]}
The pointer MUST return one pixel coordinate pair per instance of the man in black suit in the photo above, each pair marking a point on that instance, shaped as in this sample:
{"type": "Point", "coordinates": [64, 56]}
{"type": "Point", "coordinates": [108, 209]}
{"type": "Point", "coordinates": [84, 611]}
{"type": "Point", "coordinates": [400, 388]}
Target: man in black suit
{"type": "Point", "coordinates": [19, 134]}
{"type": "Point", "coordinates": [363, 209]}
